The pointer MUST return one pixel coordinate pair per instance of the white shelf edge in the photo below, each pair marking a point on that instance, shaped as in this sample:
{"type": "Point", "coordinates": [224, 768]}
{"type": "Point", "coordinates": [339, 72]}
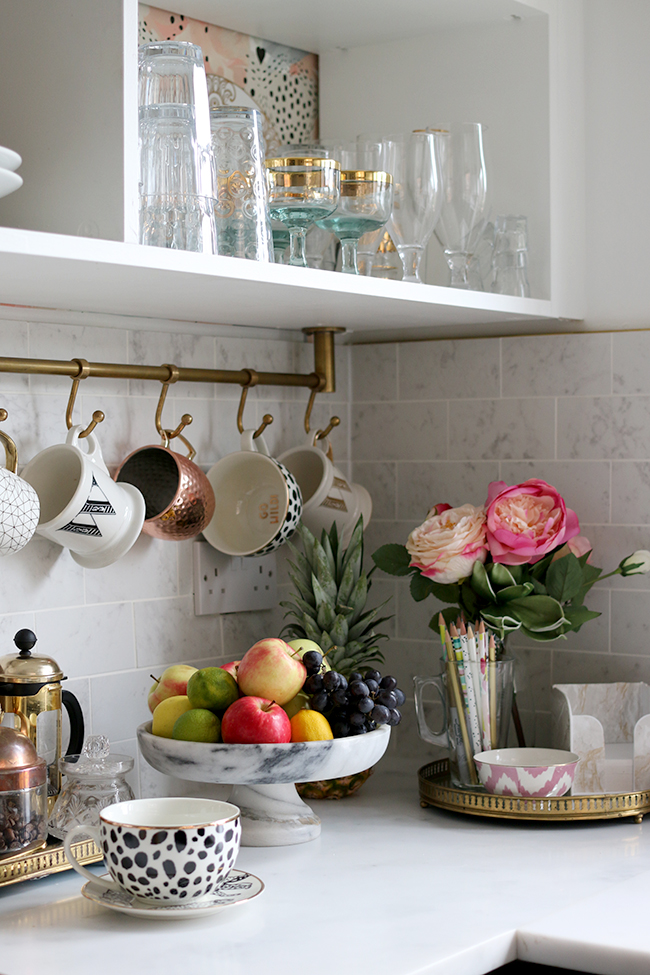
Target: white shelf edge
{"type": "Point", "coordinates": [113, 278]}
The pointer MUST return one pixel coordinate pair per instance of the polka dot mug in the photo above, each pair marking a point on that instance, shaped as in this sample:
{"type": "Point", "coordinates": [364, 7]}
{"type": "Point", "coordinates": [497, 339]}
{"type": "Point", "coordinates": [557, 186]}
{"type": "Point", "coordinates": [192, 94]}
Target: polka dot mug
{"type": "Point", "coordinates": [167, 850]}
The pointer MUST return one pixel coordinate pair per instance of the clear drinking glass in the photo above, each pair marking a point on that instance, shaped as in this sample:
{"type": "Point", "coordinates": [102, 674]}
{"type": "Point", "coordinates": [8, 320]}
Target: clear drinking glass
{"type": "Point", "coordinates": [242, 212]}
{"type": "Point", "coordinates": [413, 162]}
{"type": "Point", "coordinates": [464, 210]}
{"type": "Point", "coordinates": [176, 170]}
{"type": "Point", "coordinates": [510, 256]}
{"type": "Point", "coordinates": [364, 205]}
{"type": "Point", "coordinates": [302, 190]}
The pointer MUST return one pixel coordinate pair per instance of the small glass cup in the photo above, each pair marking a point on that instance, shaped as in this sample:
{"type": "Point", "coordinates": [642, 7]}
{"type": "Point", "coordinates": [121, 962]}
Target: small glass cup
{"type": "Point", "coordinates": [365, 204]}
{"type": "Point", "coordinates": [302, 190]}
{"type": "Point", "coordinates": [176, 170]}
{"type": "Point", "coordinates": [510, 256]}
{"type": "Point", "coordinates": [451, 735]}
{"type": "Point", "coordinates": [242, 212]}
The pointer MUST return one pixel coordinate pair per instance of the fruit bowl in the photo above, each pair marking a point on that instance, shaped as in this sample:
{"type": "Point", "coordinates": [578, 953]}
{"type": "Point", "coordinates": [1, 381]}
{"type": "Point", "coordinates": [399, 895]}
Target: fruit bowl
{"type": "Point", "coordinates": [264, 776]}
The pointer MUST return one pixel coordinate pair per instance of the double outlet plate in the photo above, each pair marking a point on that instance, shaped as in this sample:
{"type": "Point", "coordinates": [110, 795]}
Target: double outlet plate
{"type": "Point", "coordinates": [223, 584]}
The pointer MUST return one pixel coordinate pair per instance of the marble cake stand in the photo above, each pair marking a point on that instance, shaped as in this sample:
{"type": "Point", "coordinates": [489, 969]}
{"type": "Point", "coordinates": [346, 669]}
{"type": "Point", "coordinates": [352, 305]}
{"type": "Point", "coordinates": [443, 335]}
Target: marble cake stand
{"type": "Point", "coordinates": [264, 776]}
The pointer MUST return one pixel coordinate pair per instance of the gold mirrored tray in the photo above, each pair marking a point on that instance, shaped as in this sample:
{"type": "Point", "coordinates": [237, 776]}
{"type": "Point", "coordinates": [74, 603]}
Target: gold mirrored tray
{"type": "Point", "coordinates": [436, 789]}
{"type": "Point", "coordinates": [50, 859]}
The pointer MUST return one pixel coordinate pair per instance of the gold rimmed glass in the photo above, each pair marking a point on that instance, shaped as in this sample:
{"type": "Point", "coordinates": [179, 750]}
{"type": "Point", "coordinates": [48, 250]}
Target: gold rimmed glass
{"type": "Point", "coordinates": [365, 205]}
{"type": "Point", "coordinates": [302, 191]}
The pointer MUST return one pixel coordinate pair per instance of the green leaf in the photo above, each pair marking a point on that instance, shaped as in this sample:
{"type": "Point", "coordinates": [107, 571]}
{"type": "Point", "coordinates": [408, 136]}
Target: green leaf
{"type": "Point", "coordinates": [420, 587]}
{"type": "Point", "coordinates": [446, 593]}
{"type": "Point", "coordinates": [564, 578]}
{"type": "Point", "coordinates": [307, 540]}
{"type": "Point", "coordinates": [323, 572]}
{"type": "Point", "coordinates": [302, 588]}
{"type": "Point", "coordinates": [393, 559]}
{"type": "Point", "coordinates": [301, 565]}
{"type": "Point", "coordinates": [538, 570]}
{"type": "Point", "coordinates": [481, 581]}
{"type": "Point", "coordinates": [365, 621]}
{"type": "Point", "coordinates": [468, 601]}
{"type": "Point", "coordinates": [351, 575]}
{"type": "Point", "coordinates": [500, 575]}
{"type": "Point", "coordinates": [538, 587]}
{"type": "Point", "coordinates": [538, 613]}
{"type": "Point", "coordinates": [517, 573]}
{"type": "Point", "coordinates": [514, 592]}
{"type": "Point", "coordinates": [356, 539]}
{"type": "Point", "coordinates": [327, 548]}
{"type": "Point", "coordinates": [543, 637]}
{"type": "Point", "coordinates": [312, 632]}
{"type": "Point", "coordinates": [358, 598]}
{"type": "Point", "coordinates": [577, 615]}
{"type": "Point", "coordinates": [339, 631]}
{"type": "Point", "coordinates": [297, 602]}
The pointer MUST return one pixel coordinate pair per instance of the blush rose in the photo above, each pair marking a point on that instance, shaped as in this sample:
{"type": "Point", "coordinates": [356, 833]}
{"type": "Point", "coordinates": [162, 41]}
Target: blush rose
{"type": "Point", "coordinates": [446, 546]}
{"type": "Point", "coordinates": [527, 521]}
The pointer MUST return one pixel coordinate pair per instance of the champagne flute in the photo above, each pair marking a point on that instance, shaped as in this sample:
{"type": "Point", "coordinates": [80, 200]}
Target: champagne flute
{"type": "Point", "coordinates": [364, 205]}
{"type": "Point", "coordinates": [302, 190]}
{"type": "Point", "coordinates": [413, 161]}
{"type": "Point", "coordinates": [463, 215]}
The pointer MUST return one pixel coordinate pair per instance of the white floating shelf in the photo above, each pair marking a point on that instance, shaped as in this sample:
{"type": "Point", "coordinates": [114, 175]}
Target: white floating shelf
{"type": "Point", "coordinates": [51, 271]}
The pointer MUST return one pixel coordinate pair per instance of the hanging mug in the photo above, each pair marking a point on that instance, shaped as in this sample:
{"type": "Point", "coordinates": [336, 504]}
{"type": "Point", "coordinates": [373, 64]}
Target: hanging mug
{"type": "Point", "coordinates": [178, 496]}
{"type": "Point", "coordinates": [19, 504]}
{"type": "Point", "coordinates": [258, 502]}
{"type": "Point", "coordinates": [327, 494]}
{"type": "Point", "coordinates": [82, 508]}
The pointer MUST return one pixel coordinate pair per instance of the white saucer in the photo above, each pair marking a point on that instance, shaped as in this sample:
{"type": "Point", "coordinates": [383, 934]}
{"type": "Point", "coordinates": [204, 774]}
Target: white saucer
{"type": "Point", "coordinates": [126, 541]}
{"type": "Point", "coordinates": [238, 888]}
{"type": "Point", "coordinates": [9, 182]}
{"type": "Point", "coordinates": [9, 159]}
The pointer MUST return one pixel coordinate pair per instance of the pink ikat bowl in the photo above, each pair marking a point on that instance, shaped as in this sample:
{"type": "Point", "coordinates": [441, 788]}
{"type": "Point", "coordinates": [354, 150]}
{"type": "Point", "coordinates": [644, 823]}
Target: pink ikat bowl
{"type": "Point", "coordinates": [530, 772]}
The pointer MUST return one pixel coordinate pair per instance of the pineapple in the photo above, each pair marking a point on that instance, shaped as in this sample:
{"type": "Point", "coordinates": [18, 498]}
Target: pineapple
{"type": "Point", "coordinates": [328, 605]}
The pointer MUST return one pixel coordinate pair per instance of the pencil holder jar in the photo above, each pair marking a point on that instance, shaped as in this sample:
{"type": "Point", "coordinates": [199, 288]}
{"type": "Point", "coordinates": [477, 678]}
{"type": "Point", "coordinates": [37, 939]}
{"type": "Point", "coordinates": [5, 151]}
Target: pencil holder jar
{"type": "Point", "coordinates": [464, 723]}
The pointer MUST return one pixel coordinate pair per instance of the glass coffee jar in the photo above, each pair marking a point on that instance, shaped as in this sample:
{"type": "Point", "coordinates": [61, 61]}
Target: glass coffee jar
{"type": "Point", "coordinates": [23, 795]}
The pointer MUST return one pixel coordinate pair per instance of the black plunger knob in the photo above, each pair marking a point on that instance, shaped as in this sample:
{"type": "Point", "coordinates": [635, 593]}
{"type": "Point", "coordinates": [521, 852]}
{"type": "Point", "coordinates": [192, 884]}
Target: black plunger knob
{"type": "Point", "coordinates": [25, 640]}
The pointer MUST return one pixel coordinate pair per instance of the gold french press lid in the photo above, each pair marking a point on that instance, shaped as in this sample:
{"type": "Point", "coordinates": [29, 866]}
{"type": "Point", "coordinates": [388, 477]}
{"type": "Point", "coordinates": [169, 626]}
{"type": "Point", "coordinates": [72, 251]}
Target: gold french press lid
{"type": "Point", "coordinates": [26, 667]}
{"type": "Point", "coordinates": [20, 766]}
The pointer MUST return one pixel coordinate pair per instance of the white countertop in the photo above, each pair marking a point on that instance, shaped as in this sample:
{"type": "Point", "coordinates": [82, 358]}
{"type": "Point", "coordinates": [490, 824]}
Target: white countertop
{"type": "Point", "coordinates": [388, 886]}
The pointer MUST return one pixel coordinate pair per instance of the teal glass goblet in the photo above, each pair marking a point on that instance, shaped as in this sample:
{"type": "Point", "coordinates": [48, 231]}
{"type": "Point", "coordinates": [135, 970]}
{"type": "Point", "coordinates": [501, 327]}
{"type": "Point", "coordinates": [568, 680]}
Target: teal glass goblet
{"type": "Point", "coordinates": [302, 191]}
{"type": "Point", "coordinates": [365, 205]}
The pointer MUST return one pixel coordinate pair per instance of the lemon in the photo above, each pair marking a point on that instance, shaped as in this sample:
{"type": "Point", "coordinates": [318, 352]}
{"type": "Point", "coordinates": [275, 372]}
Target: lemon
{"type": "Point", "coordinates": [309, 725]}
{"type": "Point", "coordinates": [198, 724]}
{"type": "Point", "coordinates": [212, 688]}
{"type": "Point", "coordinates": [166, 713]}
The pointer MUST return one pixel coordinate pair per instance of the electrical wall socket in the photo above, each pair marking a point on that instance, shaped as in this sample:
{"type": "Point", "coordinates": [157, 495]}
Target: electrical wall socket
{"type": "Point", "coordinates": [226, 584]}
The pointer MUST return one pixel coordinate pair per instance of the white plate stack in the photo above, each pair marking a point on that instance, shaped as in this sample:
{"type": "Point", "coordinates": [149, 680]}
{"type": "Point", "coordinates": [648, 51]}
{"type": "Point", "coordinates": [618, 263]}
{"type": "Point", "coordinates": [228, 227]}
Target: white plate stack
{"type": "Point", "coordinates": [9, 178]}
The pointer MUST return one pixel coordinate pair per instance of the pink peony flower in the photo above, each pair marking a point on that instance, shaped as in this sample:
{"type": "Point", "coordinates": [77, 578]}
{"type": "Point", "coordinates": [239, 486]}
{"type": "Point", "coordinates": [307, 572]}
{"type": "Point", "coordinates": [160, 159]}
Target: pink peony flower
{"type": "Point", "coordinates": [527, 521]}
{"type": "Point", "coordinates": [448, 544]}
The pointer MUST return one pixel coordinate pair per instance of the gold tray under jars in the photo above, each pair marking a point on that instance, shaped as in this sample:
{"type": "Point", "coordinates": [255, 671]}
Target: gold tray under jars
{"type": "Point", "coordinates": [437, 790]}
{"type": "Point", "coordinates": [49, 859]}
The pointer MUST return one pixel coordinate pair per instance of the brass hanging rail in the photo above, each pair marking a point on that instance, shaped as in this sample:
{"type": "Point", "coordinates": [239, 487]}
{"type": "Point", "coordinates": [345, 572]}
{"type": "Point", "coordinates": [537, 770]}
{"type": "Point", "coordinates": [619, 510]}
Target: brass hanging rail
{"type": "Point", "coordinates": [321, 380]}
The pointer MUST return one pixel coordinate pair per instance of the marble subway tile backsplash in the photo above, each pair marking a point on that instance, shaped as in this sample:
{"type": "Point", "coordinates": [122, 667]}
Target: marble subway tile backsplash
{"type": "Point", "coordinates": [571, 409]}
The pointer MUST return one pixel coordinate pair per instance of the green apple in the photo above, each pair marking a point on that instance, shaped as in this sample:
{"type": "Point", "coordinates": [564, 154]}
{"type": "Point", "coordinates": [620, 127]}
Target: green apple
{"type": "Point", "coordinates": [303, 645]}
{"type": "Point", "coordinates": [297, 703]}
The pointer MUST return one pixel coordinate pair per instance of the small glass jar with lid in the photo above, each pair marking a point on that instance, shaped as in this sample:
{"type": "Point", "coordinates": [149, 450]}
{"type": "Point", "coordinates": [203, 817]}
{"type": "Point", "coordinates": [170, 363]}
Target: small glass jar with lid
{"type": "Point", "coordinates": [23, 795]}
{"type": "Point", "coordinates": [93, 780]}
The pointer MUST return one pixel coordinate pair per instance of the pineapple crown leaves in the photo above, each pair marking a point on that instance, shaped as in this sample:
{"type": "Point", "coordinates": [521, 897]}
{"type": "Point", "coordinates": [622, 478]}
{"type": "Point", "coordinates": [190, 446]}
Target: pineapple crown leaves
{"type": "Point", "coordinates": [328, 605]}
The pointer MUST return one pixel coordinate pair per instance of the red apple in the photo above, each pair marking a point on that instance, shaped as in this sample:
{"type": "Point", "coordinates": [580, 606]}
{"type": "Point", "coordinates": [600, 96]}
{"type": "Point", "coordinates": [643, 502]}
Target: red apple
{"type": "Point", "coordinates": [271, 669]}
{"type": "Point", "coordinates": [255, 721]}
{"type": "Point", "coordinates": [171, 683]}
{"type": "Point", "coordinates": [232, 667]}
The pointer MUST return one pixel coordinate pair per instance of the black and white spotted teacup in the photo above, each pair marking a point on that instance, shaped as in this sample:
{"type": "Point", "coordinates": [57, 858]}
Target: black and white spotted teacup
{"type": "Point", "coordinates": [167, 850]}
{"type": "Point", "coordinates": [258, 503]}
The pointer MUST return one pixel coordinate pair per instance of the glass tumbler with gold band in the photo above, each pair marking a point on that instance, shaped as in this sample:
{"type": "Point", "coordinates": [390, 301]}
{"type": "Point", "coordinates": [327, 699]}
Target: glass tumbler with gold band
{"type": "Point", "coordinates": [302, 190]}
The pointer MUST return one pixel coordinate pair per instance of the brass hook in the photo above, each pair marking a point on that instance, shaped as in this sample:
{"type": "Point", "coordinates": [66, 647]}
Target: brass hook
{"type": "Point", "coordinates": [186, 419]}
{"type": "Point", "coordinates": [98, 416]}
{"type": "Point", "coordinates": [267, 419]}
{"type": "Point", "coordinates": [11, 453]}
{"type": "Point", "coordinates": [323, 434]}
{"type": "Point", "coordinates": [310, 406]}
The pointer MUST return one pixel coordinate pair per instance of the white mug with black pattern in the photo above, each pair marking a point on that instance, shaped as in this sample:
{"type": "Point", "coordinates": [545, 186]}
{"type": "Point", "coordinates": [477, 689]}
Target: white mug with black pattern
{"type": "Point", "coordinates": [257, 501]}
{"type": "Point", "coordinates": [166, 850]}
{"type": "Point", "coordinates": [82, 508]}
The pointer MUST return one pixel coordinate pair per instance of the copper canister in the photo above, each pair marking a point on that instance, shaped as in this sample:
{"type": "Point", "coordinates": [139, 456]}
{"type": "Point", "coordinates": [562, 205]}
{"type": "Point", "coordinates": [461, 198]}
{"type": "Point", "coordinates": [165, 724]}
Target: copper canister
{"type": "Point", "coordinates": [23, 795]}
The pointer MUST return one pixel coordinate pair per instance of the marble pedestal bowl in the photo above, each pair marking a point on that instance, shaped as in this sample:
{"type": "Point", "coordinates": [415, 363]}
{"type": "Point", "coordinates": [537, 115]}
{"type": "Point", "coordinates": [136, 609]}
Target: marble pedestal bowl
{"type": "Point", "coordinates": [263, 777]}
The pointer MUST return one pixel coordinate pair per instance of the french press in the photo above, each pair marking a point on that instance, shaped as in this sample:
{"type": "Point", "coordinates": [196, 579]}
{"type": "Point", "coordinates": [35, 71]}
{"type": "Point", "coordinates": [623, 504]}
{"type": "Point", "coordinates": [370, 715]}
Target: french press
{"type": "Point", "coordinates": [30, 689]}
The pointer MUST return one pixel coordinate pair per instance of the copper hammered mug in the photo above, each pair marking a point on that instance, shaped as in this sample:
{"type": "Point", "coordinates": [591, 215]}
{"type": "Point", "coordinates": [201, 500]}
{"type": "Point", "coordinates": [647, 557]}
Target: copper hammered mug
{"type": "Point", "coordinates": [178, 496]}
